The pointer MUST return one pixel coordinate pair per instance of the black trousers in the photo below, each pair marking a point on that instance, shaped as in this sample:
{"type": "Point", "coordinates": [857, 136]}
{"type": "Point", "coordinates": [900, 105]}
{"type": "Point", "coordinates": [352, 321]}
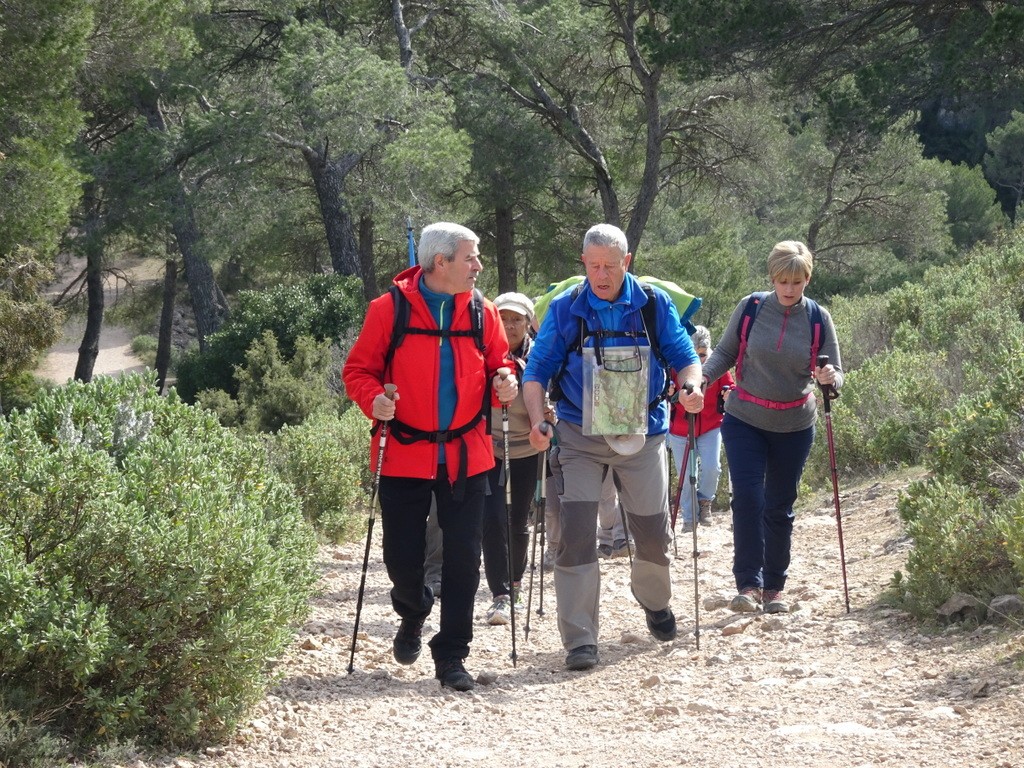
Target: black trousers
{"type": "Point", "coordinates": [495, 533]}
{"type": "Point", "coordinates": [405, 504]}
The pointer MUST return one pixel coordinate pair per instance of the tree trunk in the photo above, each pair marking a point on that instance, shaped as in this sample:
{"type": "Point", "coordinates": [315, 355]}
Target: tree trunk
{"type": "Point", "coordinates": [366, 267]}
{"type": "Point", "coordinates": [329, 182]}
{"type": "Point", "coordinates": [208, 302]}
{"type": "Point", "coordinates": [163, 345]}
{"type": "Point", "coordinates": [649, 181]}
{"type": "Point", "coordinates": [89, 350]}
{"type": "Point", "coordinates": [505, 251]}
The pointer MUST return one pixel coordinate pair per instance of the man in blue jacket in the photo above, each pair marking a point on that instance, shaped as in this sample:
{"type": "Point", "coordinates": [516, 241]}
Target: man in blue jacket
{"type": "Point", "coordinates": [595, 350]}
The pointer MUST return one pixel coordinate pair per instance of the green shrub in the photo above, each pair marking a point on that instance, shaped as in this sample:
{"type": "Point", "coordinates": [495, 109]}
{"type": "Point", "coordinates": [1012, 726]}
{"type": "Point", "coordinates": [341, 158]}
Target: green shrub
{"type": "Point", "coordinates": [863, 329]}
{"type": "Point", "coordinates": [17, 392]}
{"type": "Point", "coordinates": [273, 391]}
{"type": "Point", "coordinates": [958, 547]}
{"type": "Point", "coordinates": [886, 412]}
{"type": "Point", "coordinates": [1010, 523]}
{"type": "Point", "coordinates": [325, 459]}
{"type": "Point", "coordinates": [970, 447]}
{"type": "Point", "coordinates": [150, 566]}
{"type": "Point", "coordinates": [25, 741]}
{"type": "Point", "coordinates": [325, 307]}
{"type": "Point", "coordinates": [144, 348]}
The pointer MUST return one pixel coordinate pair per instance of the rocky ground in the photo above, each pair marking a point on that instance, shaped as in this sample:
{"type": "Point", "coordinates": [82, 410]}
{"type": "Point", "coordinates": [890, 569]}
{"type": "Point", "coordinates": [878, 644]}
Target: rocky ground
{"type": "Point", "coordinates": [816, 687]}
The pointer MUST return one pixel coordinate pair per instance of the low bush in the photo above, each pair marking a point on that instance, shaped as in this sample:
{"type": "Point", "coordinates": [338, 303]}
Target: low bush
{"type": "Point", "coordinates": [18, 392]}
{"type": "Point", "coordinates": [958, 547]}
{"type": "Point", "coordinates": [151, 568]}
{"type": "Point", "coordinates": [144, 348]}
{"type": "Point", "coordinates": [274, 391]}
{"type": "Point", "coordinates": [949, 395]}
{"type": "Point", "coordinates": [325, 459]}
{"type": "Point", "coordinates": [324, 307]}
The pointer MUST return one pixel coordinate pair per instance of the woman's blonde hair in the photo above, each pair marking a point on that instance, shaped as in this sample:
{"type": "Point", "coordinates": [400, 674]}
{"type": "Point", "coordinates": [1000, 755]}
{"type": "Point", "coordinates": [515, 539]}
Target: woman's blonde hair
{"type": "Point", "coordinates": [790, 258]}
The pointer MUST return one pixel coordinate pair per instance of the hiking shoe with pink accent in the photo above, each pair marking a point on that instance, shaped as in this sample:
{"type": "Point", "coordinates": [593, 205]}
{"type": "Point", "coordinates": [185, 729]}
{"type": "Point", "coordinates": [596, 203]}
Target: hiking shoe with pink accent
{"type": "Point", "coordinates": [773, 602]}
{"type": "Point", "coordinates": [747, 601]}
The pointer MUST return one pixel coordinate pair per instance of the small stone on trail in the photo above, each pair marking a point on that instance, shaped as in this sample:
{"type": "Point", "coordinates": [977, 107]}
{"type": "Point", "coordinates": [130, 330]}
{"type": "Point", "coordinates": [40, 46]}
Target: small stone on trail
{"type": "Point", "coordinates": [652, 681]}
{"type": "Point", "coordinates": [311, 644]}
{"type": "Point", "coordinates": [736, 628]}
{"type": "Point", "coordinates": [487, 677]}
{"type": "Point", "coordinates": [700, 706]}
{"type": "Point", "coordinates": [714, 602]}
{"type": "Point", "coordinates": [980, 689]}
{"type": "Point", "coordinates": [629, 637]}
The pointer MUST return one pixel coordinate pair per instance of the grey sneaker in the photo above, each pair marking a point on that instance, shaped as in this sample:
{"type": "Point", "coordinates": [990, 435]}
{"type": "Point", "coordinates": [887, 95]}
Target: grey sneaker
{"type": "Point", "coordinates": [620, 548]}
{"type": "Point", "coordinates": [747, 601]}
{"type": "Point", "coordinates": [687, 526]}
{"type": "Point", "coordinates": [500, 612]}
{"type": "Point", "coordinates": [773, 602]}
{"type": "Point", "coordinates": [604, 551]}
{"type": "Point", "coordinates": [704, 514]}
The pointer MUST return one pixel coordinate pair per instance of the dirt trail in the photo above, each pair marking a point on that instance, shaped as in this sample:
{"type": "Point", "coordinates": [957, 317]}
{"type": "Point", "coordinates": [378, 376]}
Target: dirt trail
{"type": "Point", "coordinates": [115, 355]}
{"type": "Point", "coordinates": [816, 687]}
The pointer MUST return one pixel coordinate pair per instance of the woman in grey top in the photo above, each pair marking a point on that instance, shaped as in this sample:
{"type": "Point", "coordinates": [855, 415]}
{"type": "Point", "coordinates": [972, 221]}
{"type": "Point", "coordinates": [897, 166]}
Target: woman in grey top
{"type": "Point", "coordinates": [768, 427]}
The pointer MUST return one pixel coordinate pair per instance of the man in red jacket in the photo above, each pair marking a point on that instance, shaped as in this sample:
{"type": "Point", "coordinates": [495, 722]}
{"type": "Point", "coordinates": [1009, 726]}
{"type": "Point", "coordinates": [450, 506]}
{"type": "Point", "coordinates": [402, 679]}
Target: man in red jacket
{"type": "Point", "coordinates": [438, 444]}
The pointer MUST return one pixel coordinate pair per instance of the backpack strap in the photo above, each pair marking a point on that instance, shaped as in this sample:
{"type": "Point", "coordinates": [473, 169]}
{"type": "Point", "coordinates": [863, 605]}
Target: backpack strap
{"type": "Point", "coordinates": [401, 327]}
{"type": "Point", "coordinates": [750, 311]}
{"type": "Point", "coordinates": [401, 324]}
{"type": "Point", "coordinates": [814, 315]}
{"type": "Point", "coordinates": [649, 317]}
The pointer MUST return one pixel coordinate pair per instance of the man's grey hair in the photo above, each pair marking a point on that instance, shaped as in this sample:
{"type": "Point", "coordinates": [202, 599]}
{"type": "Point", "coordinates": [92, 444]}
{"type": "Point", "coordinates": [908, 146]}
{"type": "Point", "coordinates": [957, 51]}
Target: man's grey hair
{"type": "Point", "coordinates": [442, 237]}
{"type": "Point", "coordinates": [606, 235]}
{"type": "Point", "coordinates": [701, 337]}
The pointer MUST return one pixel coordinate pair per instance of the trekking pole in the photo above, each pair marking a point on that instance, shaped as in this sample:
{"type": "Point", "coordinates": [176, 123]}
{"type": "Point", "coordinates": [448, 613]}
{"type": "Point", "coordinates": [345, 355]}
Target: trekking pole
{"type": "Point", "coordinates": [691, 456]}
{"type": "Point", "coordinates": [828, 394]}
{"type": "Point", "coordinates": [504, 374]}
{"type": "Point", "coordinates": [389, 391]}
{"type": "Point", "coordinates": [538, 527]}
{"type": "Point", "coordinates": [672, 509]}
{"type": "Point", "coordinates": [678, 498]}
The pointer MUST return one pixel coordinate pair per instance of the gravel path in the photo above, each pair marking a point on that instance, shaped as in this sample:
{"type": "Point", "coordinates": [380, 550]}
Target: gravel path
{"type": "Point", "coordinates": [816, 687]}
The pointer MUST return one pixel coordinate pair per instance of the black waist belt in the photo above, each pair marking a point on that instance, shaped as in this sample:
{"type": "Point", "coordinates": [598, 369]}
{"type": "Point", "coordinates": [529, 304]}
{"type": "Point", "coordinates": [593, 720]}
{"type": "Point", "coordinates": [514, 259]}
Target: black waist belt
{"type": "Point", "coordinates": [407, 435]}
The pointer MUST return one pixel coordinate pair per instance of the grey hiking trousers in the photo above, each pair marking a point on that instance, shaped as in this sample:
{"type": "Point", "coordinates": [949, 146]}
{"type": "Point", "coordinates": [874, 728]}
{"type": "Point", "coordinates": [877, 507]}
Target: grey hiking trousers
{"type": "Point", "coordinates": [642, 480]}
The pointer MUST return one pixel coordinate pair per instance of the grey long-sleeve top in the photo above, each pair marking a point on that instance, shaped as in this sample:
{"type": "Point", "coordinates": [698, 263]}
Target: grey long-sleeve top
{"type": "Point", "coordinates": [776, 364]}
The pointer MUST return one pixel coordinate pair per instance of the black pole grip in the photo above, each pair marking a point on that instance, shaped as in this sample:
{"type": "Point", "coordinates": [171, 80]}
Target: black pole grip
{"type": "Point", "coordinates": [828, 392]}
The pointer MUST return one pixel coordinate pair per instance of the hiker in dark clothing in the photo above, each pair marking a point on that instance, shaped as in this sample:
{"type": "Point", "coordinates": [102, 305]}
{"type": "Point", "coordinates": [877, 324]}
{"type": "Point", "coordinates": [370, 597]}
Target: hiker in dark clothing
{"type": "Point", "coordinates": [438, 446]}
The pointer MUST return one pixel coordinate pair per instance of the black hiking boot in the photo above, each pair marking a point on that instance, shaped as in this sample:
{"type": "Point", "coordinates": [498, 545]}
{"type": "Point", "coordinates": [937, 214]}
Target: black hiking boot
{"type": "Point", "coordinates": [662, 624]}
{"type": "Point", "coordinates": [453, 674]}
{"type": "Point", "coordinates": [582, 657]}
{"type": "Point", "coordinates": [406, 645]}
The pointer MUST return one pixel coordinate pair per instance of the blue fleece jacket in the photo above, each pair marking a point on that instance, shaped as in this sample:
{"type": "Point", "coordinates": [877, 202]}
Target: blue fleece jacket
{"type": "Point", "coordinates": [561, 326]}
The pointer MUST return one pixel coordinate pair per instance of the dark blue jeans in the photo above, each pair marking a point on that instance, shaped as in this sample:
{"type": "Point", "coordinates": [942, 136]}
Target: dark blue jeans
{"type": "Point", "coordinates": [765, 468]}
{"type": "Point", "coordinates": [405, 504]}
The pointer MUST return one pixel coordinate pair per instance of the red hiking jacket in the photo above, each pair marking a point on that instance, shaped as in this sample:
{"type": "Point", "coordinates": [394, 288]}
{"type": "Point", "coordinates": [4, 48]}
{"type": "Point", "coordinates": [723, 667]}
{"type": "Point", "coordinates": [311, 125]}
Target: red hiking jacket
{"type": "Point", "coordinates": [415, 370]}
{"type": "Point", "coordinates": [709, 418]}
